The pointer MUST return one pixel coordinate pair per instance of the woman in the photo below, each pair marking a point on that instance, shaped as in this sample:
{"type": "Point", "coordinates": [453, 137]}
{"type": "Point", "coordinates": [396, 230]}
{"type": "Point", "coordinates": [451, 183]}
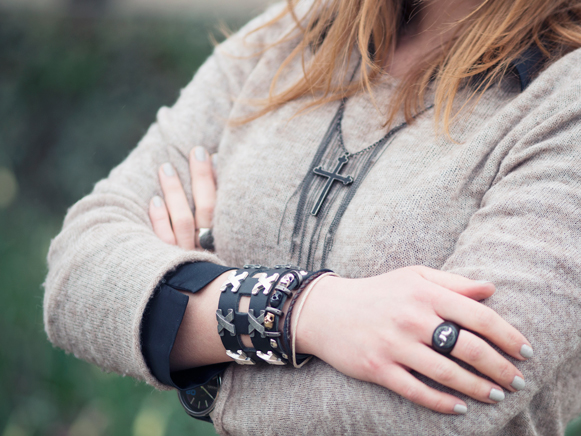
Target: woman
{"type": "Point", "coordinates": [448, 159]}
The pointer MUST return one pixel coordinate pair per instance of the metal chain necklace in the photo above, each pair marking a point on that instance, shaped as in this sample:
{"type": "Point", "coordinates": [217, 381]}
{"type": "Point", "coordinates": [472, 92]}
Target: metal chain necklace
{"type": "Point", "coordinates": [334, 176]}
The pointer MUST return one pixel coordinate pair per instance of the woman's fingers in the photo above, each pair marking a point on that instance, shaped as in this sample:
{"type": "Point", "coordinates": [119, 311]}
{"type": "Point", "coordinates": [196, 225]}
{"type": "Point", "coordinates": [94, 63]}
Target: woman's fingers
{"type": "Point", "coordinates": [184, 224]}
{"type": "Point", "coordinates": [479, 318]}
{"type": "Point", "coordinates": [160, 221]}
{"type": "Point", "coordinates": [403, 383]}
{"type": "Point", "coordinates": [182, 219]}
{"type": "Point", "coordinates": [215, 167]}
{"type": "Point", "coordinates": [477, 290]}
{"type": "Point", "coordinates": [203, 187]}
{"type": "Point", "coordinates": [470, 349]}
{"type": "Point", "coordinates": [448, 373]}
{"type": "Point", "coordinates": [477, 353]}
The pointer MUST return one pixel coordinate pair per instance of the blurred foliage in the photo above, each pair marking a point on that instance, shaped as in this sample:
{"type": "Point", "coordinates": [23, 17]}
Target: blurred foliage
{"type": "Point", "coordinates": [76, 95]}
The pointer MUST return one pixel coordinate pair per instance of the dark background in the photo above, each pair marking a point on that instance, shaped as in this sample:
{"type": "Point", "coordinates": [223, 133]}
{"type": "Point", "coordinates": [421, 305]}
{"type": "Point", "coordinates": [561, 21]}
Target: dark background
{"type": "Point", "coordinates": [78, 89]}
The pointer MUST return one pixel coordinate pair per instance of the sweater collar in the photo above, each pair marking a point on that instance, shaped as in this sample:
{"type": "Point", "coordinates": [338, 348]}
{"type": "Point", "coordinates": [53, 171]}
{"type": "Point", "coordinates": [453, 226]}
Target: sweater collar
{"type": "Point", "coordinates": [528, 65]}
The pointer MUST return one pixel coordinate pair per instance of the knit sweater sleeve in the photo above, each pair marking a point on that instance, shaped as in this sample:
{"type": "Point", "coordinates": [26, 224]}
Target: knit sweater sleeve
{"type": "Point", "coordinates": [106, 261]}
{"type": "Point", "coordinates": [526, 238]}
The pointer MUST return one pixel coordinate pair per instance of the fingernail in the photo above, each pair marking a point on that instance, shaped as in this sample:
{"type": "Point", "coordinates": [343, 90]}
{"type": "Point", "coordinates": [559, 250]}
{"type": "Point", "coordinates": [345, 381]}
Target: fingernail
{"type": "Point", "coordinates": [200, 154]}
{"type": "Point", "coordinates": [168, 170]}
{"type": "Point", "coordinates": [214, 160]}
{"type": "Point", "coordinates": [526, 351]}
{"type": "Point", "coordinates": [518, 383]}
{"type": "Point", "coordinates": [157, 202]}
{"type": "Point", "coordinates": [496, 395]}
{"type": "Point", "coordinates": [460, 409]}
{"type": "Point", "coordinates": [483, 282]}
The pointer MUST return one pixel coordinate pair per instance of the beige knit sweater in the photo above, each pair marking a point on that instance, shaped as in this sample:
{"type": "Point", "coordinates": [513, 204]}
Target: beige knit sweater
{"type": "Point", "coordinates": [502, 204]}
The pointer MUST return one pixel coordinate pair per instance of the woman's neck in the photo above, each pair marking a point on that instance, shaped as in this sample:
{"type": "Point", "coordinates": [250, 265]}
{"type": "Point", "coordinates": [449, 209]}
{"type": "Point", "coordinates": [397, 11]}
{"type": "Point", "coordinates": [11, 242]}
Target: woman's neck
{"type": "Point", "coordinates": [432, 24]}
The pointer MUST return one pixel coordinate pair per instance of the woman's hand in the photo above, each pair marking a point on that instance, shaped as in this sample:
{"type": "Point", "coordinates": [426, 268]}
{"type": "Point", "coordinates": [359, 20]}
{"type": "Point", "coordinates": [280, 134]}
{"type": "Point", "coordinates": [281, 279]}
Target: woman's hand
{"type": "Point", "coordinates": [173, 221]}
{"type": "Point", "coordinates": [379, 329]}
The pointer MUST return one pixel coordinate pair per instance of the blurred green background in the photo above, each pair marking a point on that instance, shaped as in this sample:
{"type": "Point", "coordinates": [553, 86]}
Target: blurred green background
{"type": "Point", "coordinates": [78, 89]}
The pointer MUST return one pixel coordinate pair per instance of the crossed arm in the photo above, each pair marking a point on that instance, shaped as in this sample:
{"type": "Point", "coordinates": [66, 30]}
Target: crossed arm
{"type": "Point", "coordinates": [413, 301]}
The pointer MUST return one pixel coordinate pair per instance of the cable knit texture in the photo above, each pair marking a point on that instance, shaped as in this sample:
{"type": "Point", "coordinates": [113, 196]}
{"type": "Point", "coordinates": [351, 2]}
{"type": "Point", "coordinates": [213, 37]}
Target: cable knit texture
{"type": "Point", "coordinates": [501, 203]}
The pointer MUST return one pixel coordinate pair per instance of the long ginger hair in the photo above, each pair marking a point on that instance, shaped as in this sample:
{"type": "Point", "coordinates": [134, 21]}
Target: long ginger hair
{"type": "Point", "coordinates": [484, 45]}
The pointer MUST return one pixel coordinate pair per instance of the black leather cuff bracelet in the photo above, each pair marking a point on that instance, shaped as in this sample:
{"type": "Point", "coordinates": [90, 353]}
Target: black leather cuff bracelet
{"type": "Point", "coordinates": [268, 289]}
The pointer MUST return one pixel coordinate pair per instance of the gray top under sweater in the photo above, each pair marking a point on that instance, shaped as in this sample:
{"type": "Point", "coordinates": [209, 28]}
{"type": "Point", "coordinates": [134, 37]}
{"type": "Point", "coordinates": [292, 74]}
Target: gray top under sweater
{"type": "Point", "coordinates": [501, 204]}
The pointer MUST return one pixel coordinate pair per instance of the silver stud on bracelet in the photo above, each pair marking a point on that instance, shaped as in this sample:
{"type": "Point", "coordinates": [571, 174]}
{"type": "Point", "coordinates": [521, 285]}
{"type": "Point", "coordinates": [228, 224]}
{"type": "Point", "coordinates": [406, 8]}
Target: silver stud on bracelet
{"type": "Point", "coordinates": [225, 322]}
{"type": "Point", "coordinates": [234, 280]}
{"type": "Point", "coordinates": [270, 358]}
{"type": "Point", "coordinates": [240, 358]}
{"type": "Point", "coordinates": [255, 323]}
{"type": "Point", "coordinates": [265, 283]}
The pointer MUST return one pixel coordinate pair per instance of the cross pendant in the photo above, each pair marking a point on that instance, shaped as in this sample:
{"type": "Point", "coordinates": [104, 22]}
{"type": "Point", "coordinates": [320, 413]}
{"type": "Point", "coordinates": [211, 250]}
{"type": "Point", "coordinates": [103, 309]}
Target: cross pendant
{"type": "Point", "coordinates": [332, 177]}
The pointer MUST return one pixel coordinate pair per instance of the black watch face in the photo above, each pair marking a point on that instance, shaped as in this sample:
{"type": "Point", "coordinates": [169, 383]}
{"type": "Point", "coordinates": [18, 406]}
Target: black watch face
{"type": "Point", "coordinates": [200, 401]}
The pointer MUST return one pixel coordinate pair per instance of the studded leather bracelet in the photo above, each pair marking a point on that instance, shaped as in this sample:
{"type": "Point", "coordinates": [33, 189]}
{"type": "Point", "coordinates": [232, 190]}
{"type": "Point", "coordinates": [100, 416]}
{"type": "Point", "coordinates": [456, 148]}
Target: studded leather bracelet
{"type": "Point", "coordinates": [268, 289]}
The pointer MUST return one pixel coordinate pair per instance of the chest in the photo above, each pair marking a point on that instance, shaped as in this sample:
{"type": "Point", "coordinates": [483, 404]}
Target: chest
{"type": "Point", "coordinates": [410, 198]}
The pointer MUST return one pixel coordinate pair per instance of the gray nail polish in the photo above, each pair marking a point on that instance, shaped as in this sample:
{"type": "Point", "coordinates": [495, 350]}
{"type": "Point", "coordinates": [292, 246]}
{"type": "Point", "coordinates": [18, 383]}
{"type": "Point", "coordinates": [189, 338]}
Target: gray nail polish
{"type": "Point", "coordinates": [518, 383]}
{"type": "Point", "coordinates": [168, 170]}
{"type": "Point", "coordinates": [526, 351]}
{"type": "Point", "coordinates": [214, 160]}
{"type": "Point", "coordinates": [460, 409]}
{"type": "Point", "coordinates": [200, 154]}
{"type": "Point", "coordinates": [157, 202]}
{"type": "Point", "coordinates": [496, 395]}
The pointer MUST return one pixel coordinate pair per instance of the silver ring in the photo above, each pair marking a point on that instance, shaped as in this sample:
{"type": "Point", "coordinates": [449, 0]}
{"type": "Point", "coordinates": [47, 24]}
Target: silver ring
{"type": "Point", "coordinates": [206, 238]}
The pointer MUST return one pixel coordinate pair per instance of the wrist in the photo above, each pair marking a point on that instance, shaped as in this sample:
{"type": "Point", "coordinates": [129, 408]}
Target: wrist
{"type": "Point", "coordinates": [197, 342]}
{"type": "Point", "coordinates": [308, 329]}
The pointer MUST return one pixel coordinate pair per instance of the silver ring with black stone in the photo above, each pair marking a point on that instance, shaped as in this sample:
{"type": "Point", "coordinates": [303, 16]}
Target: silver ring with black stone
{"type": "Point", "coordinates": [445, 337]}
{"type": "Point", "coordinates": [206, 238]}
